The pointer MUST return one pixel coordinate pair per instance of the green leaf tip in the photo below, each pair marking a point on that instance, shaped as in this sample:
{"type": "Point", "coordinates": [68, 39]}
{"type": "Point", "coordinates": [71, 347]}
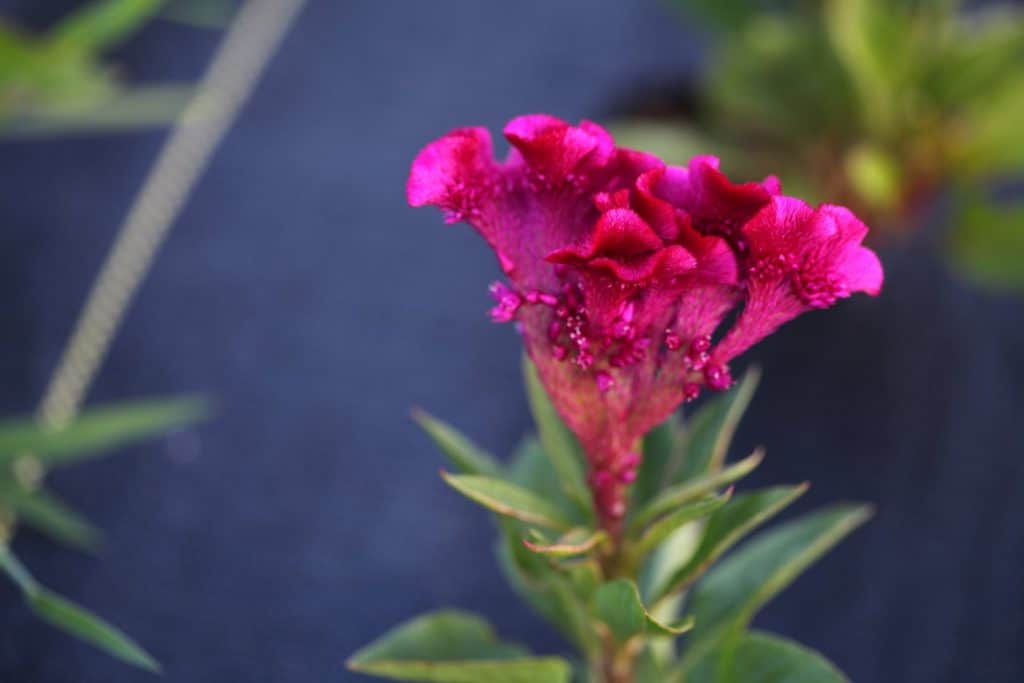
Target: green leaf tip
{"type": "Point", "coordinates": [508, 499]}
{"type": "Point", "coordinates": [461, 452]}
{"type": "Point", "coordinates": [67, 616]}
{"type": "Point", "coordinates": [559, 443]}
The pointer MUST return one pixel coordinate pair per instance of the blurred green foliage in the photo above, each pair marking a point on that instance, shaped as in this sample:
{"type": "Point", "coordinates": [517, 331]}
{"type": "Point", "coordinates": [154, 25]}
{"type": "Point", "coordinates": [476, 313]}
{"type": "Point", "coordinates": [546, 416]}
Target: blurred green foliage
{"type": "Point", "coordinates": [58, 82]}
{"type": "Point", "coordinates": [881, 105]}
{"type": "Point", "coordinates": [28, 449]}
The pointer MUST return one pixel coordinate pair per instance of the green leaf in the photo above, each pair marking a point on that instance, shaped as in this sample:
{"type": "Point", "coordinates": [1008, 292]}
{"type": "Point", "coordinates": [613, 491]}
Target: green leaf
{"type": "Point", "coordinates": [103, 23]}
{"type": "Point", "coordinates": [69, 617]}
{"type": "Point", "coordinates": [96, 430]}
{"type": "Point", "coordinates": [559, 444]}
{"type": "Point", "coordinates": [574, 542]}
{"type": "Point", "coordinates": [462, 453]}
{"type": "Point", "coordinates": [532, 469]}
{"type": "Point", "coordinates": [505, 498]}
{"type": "Point", "coordinates": [453, 647]}
{"type": "Point", "coordinates": [550, 594]}
{"type": "Point", "coordinates": [659, 531]}
{"type": "Point", "coordinates": [617, 604]}
{"type": "Point", "coordinates": [659, 447]}
{"type": "Point", "coordinates": [49, 515]}
{"type": "Point", "coordinates": [730, 595]}
{"type": "Point", "coordinates": [727, 526]}
{"type": "Point", "coordinates": [765, 658]}
{"type": "Point", "coordinates": [710, 431]}
{"type": "Point", "coordinates": [688, 491]}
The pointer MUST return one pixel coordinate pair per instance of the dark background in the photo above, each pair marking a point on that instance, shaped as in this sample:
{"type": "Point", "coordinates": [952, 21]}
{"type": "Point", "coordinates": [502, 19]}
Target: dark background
{"type": "Point", "coordinates": [300, 292]}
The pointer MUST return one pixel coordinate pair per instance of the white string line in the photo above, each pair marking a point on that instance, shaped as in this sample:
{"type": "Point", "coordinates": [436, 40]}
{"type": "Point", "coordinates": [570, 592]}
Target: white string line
{"type": "Point", "coordinates": [237, 65]}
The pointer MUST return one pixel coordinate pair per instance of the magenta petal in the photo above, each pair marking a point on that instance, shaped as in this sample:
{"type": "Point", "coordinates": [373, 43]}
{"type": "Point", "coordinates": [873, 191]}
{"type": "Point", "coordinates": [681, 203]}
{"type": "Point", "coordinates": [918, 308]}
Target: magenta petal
{"type": "Point", "coordinates": [623, 232]}
{"type": "Point", "coordinates": [450, 171]}
{"type": "Point", "coordinates": [550, 146]}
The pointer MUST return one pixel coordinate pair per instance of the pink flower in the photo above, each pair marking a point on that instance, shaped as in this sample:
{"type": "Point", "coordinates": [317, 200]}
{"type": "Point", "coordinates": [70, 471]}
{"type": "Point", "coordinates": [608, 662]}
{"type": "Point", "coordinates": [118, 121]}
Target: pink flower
{"type": "Point", "coordinates": [621, 271]}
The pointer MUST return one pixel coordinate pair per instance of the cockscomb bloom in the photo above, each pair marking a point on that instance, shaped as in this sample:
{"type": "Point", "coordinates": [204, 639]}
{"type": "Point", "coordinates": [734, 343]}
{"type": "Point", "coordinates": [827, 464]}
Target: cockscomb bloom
{"type": "Point", "coordinates": [620, 271]}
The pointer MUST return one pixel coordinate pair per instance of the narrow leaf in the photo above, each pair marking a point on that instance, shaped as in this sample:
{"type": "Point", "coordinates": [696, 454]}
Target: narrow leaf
{"type": "Point", "coordinates": [69, 617]}
{"type": "Point", "coordinates": [97, 430]}
{"type": "Point", "coordinates": [49, 516]}
{"type": "Point", "coordinates": [732, 592]}
{"type": "Point", "coordinates": [680, 494]}
{"type": "Point", "coordinates": [656, 534]}
{"type": "Point", "coordinates": [710, 431]}
{"type": "Point", "coordinates": [558, 442]}
{"type": "Point", "coordinates": [660, 446]}
{"type": "Point", "coordinates": [463, 454]}
{"type": "Point", "coordinates": [507, 499]}
{"type": "Point", "coordinates": [103, 23]}
{"type": "Point", "coordinates": [453, 647]}
{"type": "Point", "coordinates": [727, 526]}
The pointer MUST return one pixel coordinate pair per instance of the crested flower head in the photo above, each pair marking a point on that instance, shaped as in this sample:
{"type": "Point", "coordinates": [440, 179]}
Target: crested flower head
{"type": "Point", "coordinates": [620, 271]}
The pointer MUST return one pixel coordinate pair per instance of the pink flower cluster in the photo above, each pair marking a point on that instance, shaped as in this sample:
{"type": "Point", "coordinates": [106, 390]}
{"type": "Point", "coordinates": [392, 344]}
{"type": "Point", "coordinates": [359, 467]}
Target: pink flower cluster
{"type": "Point", "coordinates": [621, 271]}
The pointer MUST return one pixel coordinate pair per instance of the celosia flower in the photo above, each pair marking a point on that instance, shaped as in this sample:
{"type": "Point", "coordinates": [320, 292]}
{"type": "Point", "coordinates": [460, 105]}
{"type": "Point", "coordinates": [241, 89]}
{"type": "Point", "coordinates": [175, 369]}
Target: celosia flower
{"type": "Point", "coordinates": [621, 270]}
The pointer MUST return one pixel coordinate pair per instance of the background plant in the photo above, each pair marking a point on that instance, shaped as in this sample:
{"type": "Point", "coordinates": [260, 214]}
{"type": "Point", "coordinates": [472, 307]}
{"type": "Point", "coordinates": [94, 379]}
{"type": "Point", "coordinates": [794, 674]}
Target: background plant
{"type": "Point", "coordinates": [882, 105]}
{"type": "Point", "coordinates": [61, 81]}
{"type": "Point", "coordinates": [624, 610]}
{"type": "Point", "coordinates": [28, 450]}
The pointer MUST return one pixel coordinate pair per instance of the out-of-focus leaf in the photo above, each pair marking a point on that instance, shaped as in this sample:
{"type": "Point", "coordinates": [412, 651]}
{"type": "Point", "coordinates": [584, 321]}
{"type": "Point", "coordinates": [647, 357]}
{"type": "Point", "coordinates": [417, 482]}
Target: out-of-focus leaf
{"type": "Point", "coordinates": [675, 142]}
{"type": "Point", "coordinates": [69, 617]}
{"type": "Point", "coordinates": [454, 647]}
{"type": "Point", "coordinates": [49, 515]}
{"type": "Point", "coordinates": [987, 243]}
{"type": "Point", "coordinates": [759, 657]}
{"type": "Point", "coordinates": [462, 453]}
{"type": "Point", "coordinates": [874, 175]}
{"type": "Point", "coordinates": [97, 430]}
{"type": "Point", "coordinates": [709, 432]}
{"type": "Point", "coordinates": [729, 596]}
{"type": "Point", "coordinates": [753, 95]}
{"type": "Point", "coordinates": [141, 107]}
{"type": "Point", "coordinates": [871, 39]}
{"type": "Point", "coordinates": [559, 444]}
{"type": "Point", "coordinates": [994, 140]}
{"type": "Point", "coordinates": [727, 526]}
{"type": "Point", "coordinates": [103, 23]}
{"type": "Point", "coordinates": [507, 499]}
{"type": "Point", "coordinates": [617, 605]}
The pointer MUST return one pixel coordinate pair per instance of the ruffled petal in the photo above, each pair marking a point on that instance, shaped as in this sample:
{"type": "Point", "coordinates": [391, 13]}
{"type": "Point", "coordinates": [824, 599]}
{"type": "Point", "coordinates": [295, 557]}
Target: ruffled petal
{"type": "Point", "coordinates": [456, 173]}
